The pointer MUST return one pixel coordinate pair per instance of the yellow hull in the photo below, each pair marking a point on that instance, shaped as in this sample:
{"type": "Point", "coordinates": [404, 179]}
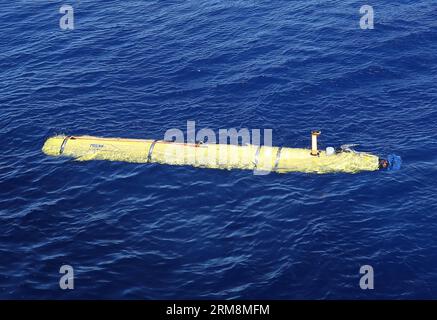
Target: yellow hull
{"type": "Point", "coordinates": [219, 156]}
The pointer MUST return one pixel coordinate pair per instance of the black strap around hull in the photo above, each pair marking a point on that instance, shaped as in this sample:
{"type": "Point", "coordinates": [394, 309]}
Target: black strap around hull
{"type": "Point", "coordinates": [61, 150]}
{"type": "Point", "coordinates": [149, 155]}
{"type": "Point", "coordinates": [278, 157]}
{"type": "Point", "coordinates": [257, 157]}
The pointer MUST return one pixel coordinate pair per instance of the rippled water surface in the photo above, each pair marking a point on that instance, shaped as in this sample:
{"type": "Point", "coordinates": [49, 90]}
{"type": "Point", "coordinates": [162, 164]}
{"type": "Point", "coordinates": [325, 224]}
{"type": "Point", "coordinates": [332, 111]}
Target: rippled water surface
{"type": "Point", "coordinates": [137, 68]}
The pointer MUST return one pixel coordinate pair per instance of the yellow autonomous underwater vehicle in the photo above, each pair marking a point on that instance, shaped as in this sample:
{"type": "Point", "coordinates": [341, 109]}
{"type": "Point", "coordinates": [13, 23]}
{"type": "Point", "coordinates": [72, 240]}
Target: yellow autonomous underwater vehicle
{"type": "Point", "coordinates": [220, 156]}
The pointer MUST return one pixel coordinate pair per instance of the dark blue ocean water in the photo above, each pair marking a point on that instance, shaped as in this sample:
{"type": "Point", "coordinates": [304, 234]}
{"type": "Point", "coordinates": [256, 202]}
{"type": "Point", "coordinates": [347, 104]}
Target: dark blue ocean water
{"type": "Point", "coordinates": [137, 68]}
